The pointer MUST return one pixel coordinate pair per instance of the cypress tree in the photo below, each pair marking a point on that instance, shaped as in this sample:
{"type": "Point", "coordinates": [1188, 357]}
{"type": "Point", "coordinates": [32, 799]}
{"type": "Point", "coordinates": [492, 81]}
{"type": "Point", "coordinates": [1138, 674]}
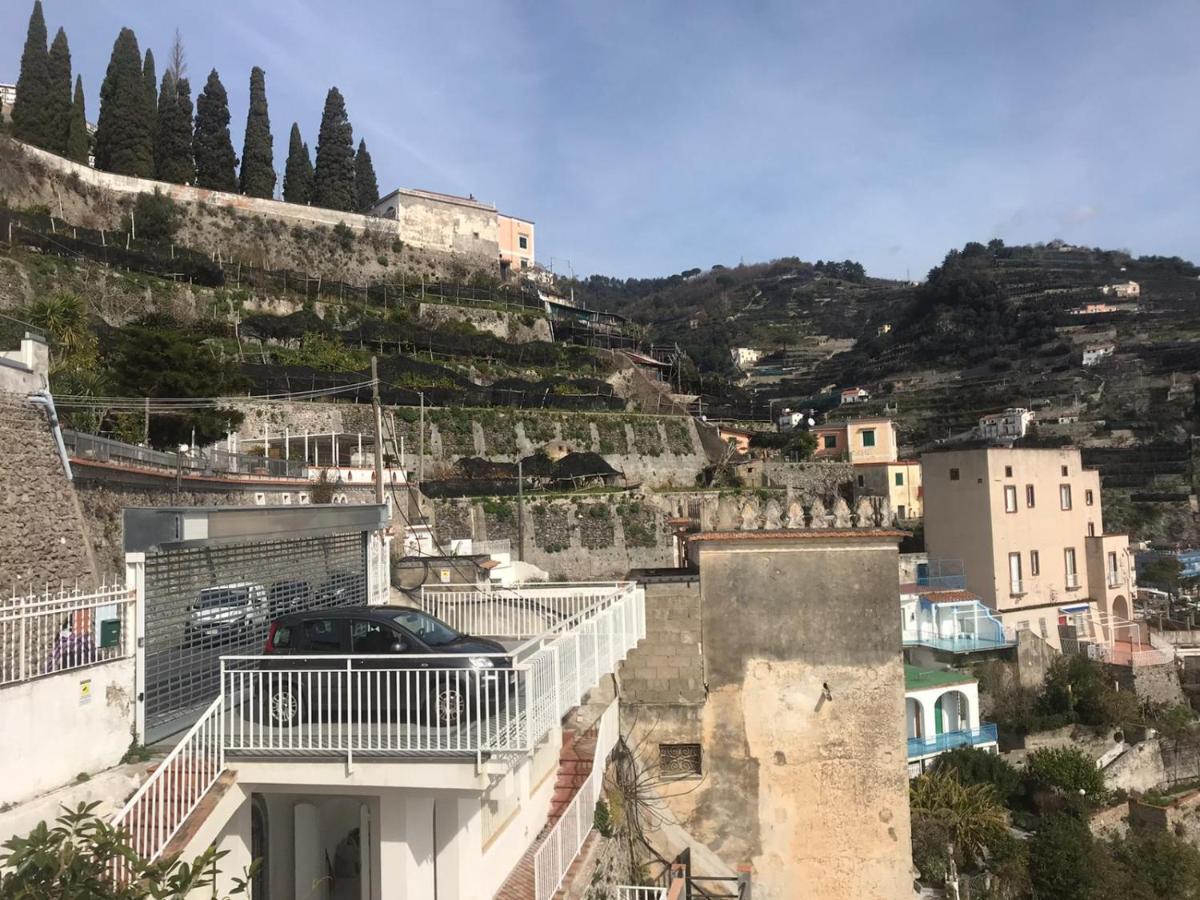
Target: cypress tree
{"type": "Point", "coordinates": [333, 175]}
{"type": "Point", "coordinates": [298, 175]}
{"type": "Point", "coordinates": [58, 102]}
{"type": "Point", "coordinates": [79, 142]}
{"type": "Point", "coordinates": [151, 82]}
{"type": "Point", "coordinates": [258, 153]}
{"type": "Point", "coordinates": [124, 136]}
{"type": "Point", "coordinates": [33, 83]}
{"type": "Point", "coordinates": [173, 132]}
{"type": "Point", "coordinates": [366, 186]}
{"type": "Point", "coordinates": [216, 163]}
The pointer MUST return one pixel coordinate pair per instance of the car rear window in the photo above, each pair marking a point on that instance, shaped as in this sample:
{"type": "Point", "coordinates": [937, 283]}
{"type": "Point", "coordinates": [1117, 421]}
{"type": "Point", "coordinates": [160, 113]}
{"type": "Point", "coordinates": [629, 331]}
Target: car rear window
{"type": "Point", "coordinates": [282, 639]}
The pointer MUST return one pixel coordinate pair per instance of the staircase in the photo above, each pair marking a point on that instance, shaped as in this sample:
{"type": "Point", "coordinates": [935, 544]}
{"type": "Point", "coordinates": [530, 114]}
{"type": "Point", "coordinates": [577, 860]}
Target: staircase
{"type": "Point", "coordinates": [574, 765]}
{"type": "Point", "coordinates": [575, 762]}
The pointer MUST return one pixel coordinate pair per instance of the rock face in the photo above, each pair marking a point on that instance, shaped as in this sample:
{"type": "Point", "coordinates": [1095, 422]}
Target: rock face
{"type": "Point", "coordinates": [42, 536]}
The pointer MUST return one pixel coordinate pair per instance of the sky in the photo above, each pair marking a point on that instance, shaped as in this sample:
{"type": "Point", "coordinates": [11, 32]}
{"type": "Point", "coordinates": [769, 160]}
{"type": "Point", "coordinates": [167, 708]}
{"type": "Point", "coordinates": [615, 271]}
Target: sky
{"type": "Point", "coordinates": [646, 138]}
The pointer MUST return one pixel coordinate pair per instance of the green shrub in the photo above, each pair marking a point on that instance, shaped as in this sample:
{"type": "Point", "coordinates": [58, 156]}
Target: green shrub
{"type": "Point", "coordinates": [155, 217]}
{"type": "Point", "coordinates": [1065, 769]}
{"type": "Point", "coordinates": [975, 766]}
{"type": "Point", "coordinates": [344, 236]}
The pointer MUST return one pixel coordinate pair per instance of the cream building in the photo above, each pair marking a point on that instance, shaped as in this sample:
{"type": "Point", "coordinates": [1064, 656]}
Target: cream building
{"type": "Point", "coordinates": [899, 481]}
{"type": "Point", "coordinates": [1028, 528]}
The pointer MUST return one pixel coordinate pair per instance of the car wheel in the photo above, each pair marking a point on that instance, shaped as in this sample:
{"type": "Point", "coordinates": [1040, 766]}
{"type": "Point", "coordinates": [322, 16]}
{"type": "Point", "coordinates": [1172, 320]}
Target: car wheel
{"type": "Point", "coordinates": [283, 707]}
{"type": "Point", "coordinates": [450, 705]}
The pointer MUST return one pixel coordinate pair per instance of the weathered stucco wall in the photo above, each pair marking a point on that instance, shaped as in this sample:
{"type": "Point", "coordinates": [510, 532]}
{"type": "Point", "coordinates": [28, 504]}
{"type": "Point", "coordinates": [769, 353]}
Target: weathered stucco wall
{"type": "Point", "coordinates": [810, 788]}
{"type": "Point", "coordinates": [42, 537]}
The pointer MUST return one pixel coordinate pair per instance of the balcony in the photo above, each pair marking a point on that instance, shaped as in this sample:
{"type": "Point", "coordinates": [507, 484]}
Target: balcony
{"type": "Point", "coordinates": [984, 734]}
{"type": "Point", "coordinates": [955, 626]}
{"type": "Point", "coordinates": [489, 708]}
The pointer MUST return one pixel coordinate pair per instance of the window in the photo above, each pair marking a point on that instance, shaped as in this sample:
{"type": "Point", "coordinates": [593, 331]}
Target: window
{"type": "Point", "coordinates": [1064, 496]}
{"type": "Point", "coordinates": [433, 632]}
{"type": "Point", "coordinates": [524, 264]}
{"type": "Point", "coordinates": [523, 242]}
{"type": "Point", "coordinates": [1064, 471]}
{"type": "Point", "coordinates": [1035, 564]}
{"type": "Point", "coordinates": [1114, 576]}
{"type": "Point", "coordinates": [830, 441]}
{"type": "Point", "coordinates": [900, 511]}
{"type": "Point", "coordinates": [371, 637]}
{"type": "Point", "coordinates": [282, 638]}
{"type": "Point", "coordinates": [1014, 572]}
{"type": "Point", "coordinates": [1042, 627]}
{"type": "Point", "coordinates": [1088, 498]}
{"type": "Point", "coordinates": [954, 474]}
{"type": "Point", "coordinates": [1008, 471]}
{"type": "Point", "coordinates": [679, 760]}
{"type": "Point", "coordinates": [862, 482]}
{"type": "Point", "coordinates": [1029, 496]}
{"type": "Point", "coordinates": [1091, 529]}
{"type": "Point", "coordinates": [1072, 574]}
{"type": "Point", "coordinates": [1010, 498]}
{"type": "Point", "coordinates": [324, 635]}
{"type": "Point", "coordinates": [899, 479]}
{"type": "Point", "coordinates": [868, 437]}
{"type": "Point", "coordinates": [1023, 625]}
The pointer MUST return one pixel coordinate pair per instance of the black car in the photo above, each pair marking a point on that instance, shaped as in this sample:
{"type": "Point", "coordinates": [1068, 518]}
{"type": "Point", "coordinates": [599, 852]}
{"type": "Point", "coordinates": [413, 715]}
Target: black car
{"type": "Point", "coordinates": [461, 667]}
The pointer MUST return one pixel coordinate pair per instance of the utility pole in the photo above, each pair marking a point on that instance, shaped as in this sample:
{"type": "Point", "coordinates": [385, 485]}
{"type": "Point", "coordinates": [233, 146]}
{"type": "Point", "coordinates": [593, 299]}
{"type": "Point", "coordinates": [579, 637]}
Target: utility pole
{"type": "Point", "coordinates": [520, 511]}
{"type": "Point", "coordinates": [146, 424]}
{"type": "Point", "coordinates": [378, 430]}
{"type": "Point", "coordinates": [421, 448]}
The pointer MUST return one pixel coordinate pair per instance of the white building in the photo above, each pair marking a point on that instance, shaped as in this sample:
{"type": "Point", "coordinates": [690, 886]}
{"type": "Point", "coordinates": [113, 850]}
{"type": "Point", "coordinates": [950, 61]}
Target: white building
{"type": "Point", "coordinates": [855, 395]}
{"type": "Point", "coordinates": [1009, 425]}
{"type": "Point", "coordinates": [1093, 355]}
{"type": "Point", "coordinates": [942, 713]}
{"type": "Point", "coordinates": [1124, 289]}
{"type": "Point", "coordinates": [745, 357]}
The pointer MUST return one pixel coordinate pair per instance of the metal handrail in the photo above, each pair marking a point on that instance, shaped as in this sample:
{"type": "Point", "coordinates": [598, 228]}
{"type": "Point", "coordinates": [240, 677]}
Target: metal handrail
{"type": "Point", "coordinates": [967, 737]}
{"type": "Point", "coordinates": [213, 461]}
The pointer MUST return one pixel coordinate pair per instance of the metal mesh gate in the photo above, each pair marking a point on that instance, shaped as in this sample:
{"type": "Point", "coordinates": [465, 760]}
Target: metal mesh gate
{"type": "Point", "coordinates": [204, 602]}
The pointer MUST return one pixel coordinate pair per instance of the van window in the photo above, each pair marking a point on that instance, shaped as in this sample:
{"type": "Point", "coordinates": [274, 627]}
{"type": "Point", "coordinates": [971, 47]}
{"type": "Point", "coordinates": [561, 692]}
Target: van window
{"type": "Point", "coordinates": [282, 638]}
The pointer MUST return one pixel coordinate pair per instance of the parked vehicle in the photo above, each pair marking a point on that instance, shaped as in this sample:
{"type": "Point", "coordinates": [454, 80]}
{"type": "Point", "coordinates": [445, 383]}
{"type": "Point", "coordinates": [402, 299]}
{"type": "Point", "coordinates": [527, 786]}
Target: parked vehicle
{"type": "Point", "coordinates": [220, 611]}
{"type": "Point", "coordinates": [445, 672]}
{"type": "Point", "coordinates": [343, 587]}
{"type": "Point", "coordinates": [285, 597]}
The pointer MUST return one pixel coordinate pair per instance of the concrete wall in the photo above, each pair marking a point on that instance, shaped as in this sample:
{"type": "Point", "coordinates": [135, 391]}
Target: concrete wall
{"type": "Point", "coordinates": [42, 536]}
{"type": "Point", "coordinates": [666, 669]}
{"type": "Point", "coordinates": [809, 790]}
{"type": "Point", "coordinates": [26, 369]}
{"type": "Point", "coordinates": [1158, 684]}
{"type": "Point", "coordinates": [53, 730]}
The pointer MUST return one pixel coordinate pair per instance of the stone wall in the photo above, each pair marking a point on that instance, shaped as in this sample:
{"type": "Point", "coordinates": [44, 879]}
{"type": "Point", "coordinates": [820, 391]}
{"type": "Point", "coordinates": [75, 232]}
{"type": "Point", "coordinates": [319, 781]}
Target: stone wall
{"type": "Point", "coordinates": [266, 233]}
{"type": "Point", "coordinates": [42, 536]}
{"type": "Point", "coordinates": [817, 478]}
{"type": "Point", "coordinates": [659, 451]}
{"type": "Point", "coordinates": [517, 327]}
{"type": "Point", "coordinates": [1157, 684]}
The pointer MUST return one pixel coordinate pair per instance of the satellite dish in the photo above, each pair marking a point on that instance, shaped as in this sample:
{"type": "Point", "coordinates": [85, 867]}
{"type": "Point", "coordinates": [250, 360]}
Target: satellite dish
{"type": "Point", "coordinates": [812, 422]}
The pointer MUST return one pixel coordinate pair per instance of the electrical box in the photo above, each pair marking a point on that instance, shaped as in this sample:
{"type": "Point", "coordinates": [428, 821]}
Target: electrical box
{"type": "Point", "coordinates": [110, 633]}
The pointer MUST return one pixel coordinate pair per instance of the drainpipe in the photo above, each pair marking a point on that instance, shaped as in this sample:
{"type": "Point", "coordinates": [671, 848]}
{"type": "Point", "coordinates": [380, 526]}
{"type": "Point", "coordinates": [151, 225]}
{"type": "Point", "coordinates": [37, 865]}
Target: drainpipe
{"type": "Point", "coordinates": [44, 399]}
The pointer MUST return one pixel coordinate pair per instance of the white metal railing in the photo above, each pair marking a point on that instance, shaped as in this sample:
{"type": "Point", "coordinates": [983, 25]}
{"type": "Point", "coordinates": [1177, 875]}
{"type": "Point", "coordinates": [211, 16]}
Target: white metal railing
{"type": "Point", "coordinates": [57, 631]}
{"type": "Point", "coordinates": [520, 610]}
{"type": "Point", "coordinates": [1072, 580]}
{"type": "Point", "coordinates": [159, 808]}
{"type": "Point", "coordinates": [436, 704]}
{"type": "Point", "coordinates": [633, 892]}
{"type": "Point", "coordinates": [565, 839]}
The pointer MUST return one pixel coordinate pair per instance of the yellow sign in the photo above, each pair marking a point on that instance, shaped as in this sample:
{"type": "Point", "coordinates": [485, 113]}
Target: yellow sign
{"type": "Point", "coordinates": [85, 691]}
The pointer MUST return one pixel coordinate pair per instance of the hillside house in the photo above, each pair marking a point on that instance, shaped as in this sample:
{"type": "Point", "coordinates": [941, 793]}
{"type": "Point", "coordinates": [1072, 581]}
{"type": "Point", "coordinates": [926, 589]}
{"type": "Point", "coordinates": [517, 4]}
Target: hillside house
{"type": "Point", "coordinates": [1009, 425]}
{"type": "Point", "coordinates": [745, 358]}
{"type": "Point", "coordinates": [1125, 289]}
{"type": "Point", "coordinates": [443, 221]}
{"type": "Point", "coordinates": [941, 710]}
{"type": "Point", "coordinates": [1094, 354]}
{"type": "Point", "coordinates": [1027, 526]}
{"type": "Point", "coordinates": [515, 237]}
{"type": "Point", "coordinates": [854, 395]}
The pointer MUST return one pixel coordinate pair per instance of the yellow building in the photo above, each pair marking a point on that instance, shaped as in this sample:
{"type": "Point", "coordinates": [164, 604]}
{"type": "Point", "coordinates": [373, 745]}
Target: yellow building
{"type": "Point", "coordinates": [899, 481]}
{"type": "Point", "coordinates": [1028, 528]}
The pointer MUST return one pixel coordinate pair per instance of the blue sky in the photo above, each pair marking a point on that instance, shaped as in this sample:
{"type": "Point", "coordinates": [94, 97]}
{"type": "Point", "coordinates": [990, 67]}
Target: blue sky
{"type": "Point", "coordinates": [647, 138]}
